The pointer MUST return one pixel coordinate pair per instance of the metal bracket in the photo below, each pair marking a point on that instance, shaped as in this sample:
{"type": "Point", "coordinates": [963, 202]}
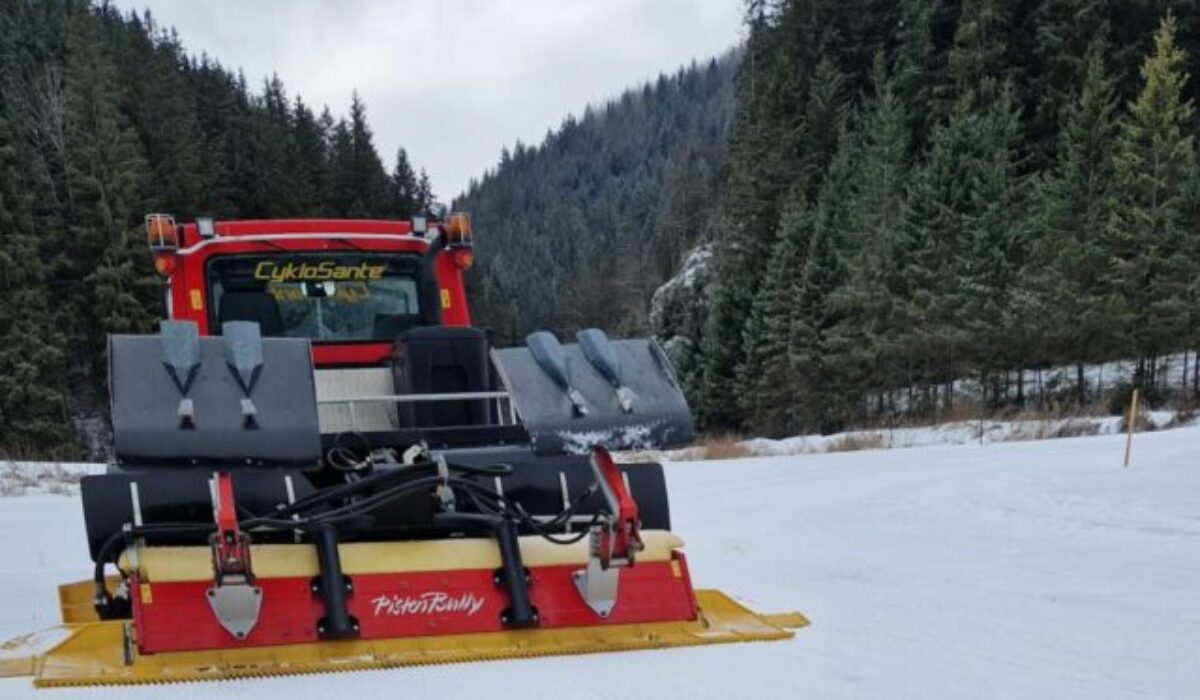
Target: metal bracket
{"type": "Point", "coordinates": [236, 605]}
{"type": "Point", "coordinates": [598, 583]}
{"type": "Point", "coordinates": [614, 542]}
{"type": "Point", "coordinates": [233, 597]}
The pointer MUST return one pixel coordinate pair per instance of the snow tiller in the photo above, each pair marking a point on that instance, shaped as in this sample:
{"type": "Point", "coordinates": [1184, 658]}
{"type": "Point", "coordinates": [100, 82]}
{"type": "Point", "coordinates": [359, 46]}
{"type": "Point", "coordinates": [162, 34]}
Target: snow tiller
{"type": "Point", "coordinates": [320, 465]}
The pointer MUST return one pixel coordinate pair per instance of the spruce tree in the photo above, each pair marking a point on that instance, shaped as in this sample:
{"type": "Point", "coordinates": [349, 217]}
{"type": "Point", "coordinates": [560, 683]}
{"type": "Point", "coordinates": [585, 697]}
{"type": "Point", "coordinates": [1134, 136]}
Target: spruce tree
{"type": "Point", "coordinates": [162, 112]}
{"type": "Point", "coordinates": [915, 64]}
{"type": "Point", "coordinates": [732, 293]}
{"type": "Point", "coordinates": [344, 192]}
{"type": "Point", "coordinates": [366, 169]}
{"type": "Point", "coordinates": [977, 62]}
{"type": "Point", "coordinates": [33, 411]}
{"type": "Point", "coordinates": [1147, 238]}
{"type": "Point", "coordinates": [307, 160]}
{"type": "Point", "coordinates": [818, 406]}
{"type": "Point", "coordinates": [868, 331]}
{"type": "Point", "coordinates": [104, 169]}
{"type": "Point", "coordinates": [406, 200]}
{"type": "Point", "coordinates": [934, 235]}
{"type": "Point", "coordinates": [1068, 32]}
{"type": "Point", "coordinates": [769, 388]}
{"type": "Point", "coordinates": [1069, 262]}
{"type": "Point", "coordinates": [993, 249]}
{"type": "Point", "coordinates": [425, 198]}
{"type": "Point", "coordinates": [825, 119]}
{"type": "Point", "coordinates": [820, 302]}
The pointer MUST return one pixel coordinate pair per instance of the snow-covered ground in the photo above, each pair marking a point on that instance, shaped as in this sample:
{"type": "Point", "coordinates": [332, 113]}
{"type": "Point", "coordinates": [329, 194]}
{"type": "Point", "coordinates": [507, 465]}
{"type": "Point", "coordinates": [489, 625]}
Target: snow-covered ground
{"type": "Point", "coordinates": [1008, 570]}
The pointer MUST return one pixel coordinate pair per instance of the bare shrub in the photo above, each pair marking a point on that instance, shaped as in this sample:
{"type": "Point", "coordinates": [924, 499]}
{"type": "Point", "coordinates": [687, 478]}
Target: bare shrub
{"type": "Point", "coordinates": [1076, 428]}
{"type": "Point", "coordinates": [1184, 415]}
{"type": "Point", "coordinates": [853, 442]}
{"type": "Point", "coordinates": [724, 446]}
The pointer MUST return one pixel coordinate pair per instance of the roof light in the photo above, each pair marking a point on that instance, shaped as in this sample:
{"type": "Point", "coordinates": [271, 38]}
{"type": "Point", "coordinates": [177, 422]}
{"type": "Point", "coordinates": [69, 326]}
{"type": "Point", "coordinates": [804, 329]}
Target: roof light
{"type": "Point", "coordinates": [206, 227]}
{"type": "Point", "coordinates": [161, 232]}
{"type": "Point", "coordinates": [458, 230]}
{"type": "Point", "coordinates": [419, 225]}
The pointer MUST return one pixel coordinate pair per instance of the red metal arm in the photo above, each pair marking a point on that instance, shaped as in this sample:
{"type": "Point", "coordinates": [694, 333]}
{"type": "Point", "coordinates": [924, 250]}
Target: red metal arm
{"type": "Point", "coordinates": [625, 534]}
{"type": "Point", "coordinates": [231, 548]}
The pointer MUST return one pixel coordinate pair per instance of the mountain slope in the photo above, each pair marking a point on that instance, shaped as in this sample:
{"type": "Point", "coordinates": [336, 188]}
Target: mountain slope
{"type": "Point", "coordinates": [581, 229]}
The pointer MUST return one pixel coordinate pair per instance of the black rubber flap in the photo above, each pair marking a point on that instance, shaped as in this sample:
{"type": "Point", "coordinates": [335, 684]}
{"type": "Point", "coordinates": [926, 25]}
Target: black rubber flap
{"type": "Point", "coordinates": [155, 424]}
{"type": "Point", "coordinates": [658, 417]}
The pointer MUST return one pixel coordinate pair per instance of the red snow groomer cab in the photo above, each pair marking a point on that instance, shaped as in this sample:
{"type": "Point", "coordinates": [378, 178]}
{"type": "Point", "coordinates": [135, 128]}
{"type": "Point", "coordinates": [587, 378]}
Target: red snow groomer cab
{"type": "Point", "coordinates": [350, 286]}
{"type": "Point", "coordinates": [320, 464]}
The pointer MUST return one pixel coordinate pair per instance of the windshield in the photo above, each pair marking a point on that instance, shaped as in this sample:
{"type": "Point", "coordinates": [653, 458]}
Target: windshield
{"type": "Point", "coordinates": [322, 296]}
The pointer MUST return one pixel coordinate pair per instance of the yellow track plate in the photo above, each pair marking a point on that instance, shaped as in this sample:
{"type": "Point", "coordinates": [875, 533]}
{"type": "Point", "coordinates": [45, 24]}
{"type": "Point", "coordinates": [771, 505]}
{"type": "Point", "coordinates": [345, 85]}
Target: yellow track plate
{"type": "Point", "coordinates": [95, 653]}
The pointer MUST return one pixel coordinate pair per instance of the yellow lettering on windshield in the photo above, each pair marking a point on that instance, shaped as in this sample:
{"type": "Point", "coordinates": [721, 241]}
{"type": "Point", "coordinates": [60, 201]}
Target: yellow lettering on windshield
{"type": "Point", "coordinates": [316, 272]}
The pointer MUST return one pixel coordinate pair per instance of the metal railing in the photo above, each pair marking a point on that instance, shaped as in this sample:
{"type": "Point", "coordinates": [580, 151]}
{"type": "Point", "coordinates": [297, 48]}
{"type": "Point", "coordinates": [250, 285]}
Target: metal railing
{"type": "Point", "coordinates": [503, 402]}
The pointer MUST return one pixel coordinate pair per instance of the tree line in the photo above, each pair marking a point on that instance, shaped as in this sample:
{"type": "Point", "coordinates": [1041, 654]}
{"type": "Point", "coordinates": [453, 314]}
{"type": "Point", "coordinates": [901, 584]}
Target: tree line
{"type": "Point", "coordinates": [925, 191]}
{"type": "Point", "coordinates": [868, 202]}
{"type": "Point", "coordinates": [103, 118]}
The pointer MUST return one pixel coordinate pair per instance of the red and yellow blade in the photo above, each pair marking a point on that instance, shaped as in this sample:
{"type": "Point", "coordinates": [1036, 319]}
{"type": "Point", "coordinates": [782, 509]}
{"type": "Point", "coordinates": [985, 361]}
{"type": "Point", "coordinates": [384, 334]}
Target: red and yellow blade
{"type": "Point", "coordinates": [101, 653]}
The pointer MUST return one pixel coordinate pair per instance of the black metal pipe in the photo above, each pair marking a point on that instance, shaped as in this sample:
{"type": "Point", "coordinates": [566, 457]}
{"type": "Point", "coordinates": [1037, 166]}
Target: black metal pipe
{"type": "Point", "coordinates": [511, 574]}
{"type": "Point", "coordinates": [520, 612]}
{"type": "Point", "coordinates": [332, 585]}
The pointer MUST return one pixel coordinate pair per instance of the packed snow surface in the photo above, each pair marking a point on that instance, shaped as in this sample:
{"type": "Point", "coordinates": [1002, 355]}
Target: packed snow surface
{"type": "Point", "coordinates": [1009, 570]}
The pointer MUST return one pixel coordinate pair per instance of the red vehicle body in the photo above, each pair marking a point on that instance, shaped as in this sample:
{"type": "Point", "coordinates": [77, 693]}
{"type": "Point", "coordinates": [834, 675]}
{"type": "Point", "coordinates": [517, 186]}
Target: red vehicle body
{"type": "Point", "coordinates": [189, 290]}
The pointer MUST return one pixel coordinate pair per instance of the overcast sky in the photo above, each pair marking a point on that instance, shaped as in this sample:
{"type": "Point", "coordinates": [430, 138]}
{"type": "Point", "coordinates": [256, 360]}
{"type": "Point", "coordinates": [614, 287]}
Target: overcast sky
{"type": "Point", "coordinates": [453, 80]}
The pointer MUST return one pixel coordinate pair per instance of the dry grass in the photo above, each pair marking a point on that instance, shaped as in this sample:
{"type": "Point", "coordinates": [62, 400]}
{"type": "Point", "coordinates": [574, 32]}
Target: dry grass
{"type": "Point", "coordinates": [724, 446]}
{"type": "Point", "coordinates": [856, 441]}
{"type": "Point", "coordinates": [1183, 416]}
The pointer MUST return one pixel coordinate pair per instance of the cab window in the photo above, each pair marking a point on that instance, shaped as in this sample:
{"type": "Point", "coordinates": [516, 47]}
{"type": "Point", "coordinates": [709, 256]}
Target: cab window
{"type": "Point", "coordinates": [340, 297]}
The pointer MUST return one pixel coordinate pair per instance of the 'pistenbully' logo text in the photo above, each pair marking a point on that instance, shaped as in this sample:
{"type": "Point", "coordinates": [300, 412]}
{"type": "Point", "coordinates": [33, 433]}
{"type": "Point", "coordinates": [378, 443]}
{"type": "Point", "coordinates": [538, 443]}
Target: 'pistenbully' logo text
{"type": "Point", "coordinates": [431, 603]}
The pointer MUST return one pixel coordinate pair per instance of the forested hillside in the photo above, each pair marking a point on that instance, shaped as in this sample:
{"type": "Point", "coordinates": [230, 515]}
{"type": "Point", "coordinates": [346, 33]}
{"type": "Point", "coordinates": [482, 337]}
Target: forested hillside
{"type": "Point", "coordinates": [583, 228]}
{"type": "Point", "coordinates": [927, 190]}
{"type": "Point", "coordinates": [104, 118]}
{"type": "Point", "coordinates": [829, 226]}
{"type": "Point", "coordinates": [910, 193]}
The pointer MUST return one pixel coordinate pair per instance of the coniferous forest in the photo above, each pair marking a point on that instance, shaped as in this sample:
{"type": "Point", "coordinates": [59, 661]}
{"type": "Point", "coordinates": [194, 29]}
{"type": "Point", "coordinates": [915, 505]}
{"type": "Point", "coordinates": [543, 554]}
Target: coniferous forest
{"type": "Point", "coordinates": [103, 119]}
{"type": "Point", "coordinates": [919, 192]}
{"type": "Point", "coordinates": [829, 226]}
{"type": "Point", "coordinates": [584, 228]}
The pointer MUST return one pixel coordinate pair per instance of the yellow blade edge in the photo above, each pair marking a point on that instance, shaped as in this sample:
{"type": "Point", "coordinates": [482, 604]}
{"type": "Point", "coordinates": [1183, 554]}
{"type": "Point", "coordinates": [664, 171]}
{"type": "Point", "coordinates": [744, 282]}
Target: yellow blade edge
{"type": "Point", "coordinates": [94, 653]}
